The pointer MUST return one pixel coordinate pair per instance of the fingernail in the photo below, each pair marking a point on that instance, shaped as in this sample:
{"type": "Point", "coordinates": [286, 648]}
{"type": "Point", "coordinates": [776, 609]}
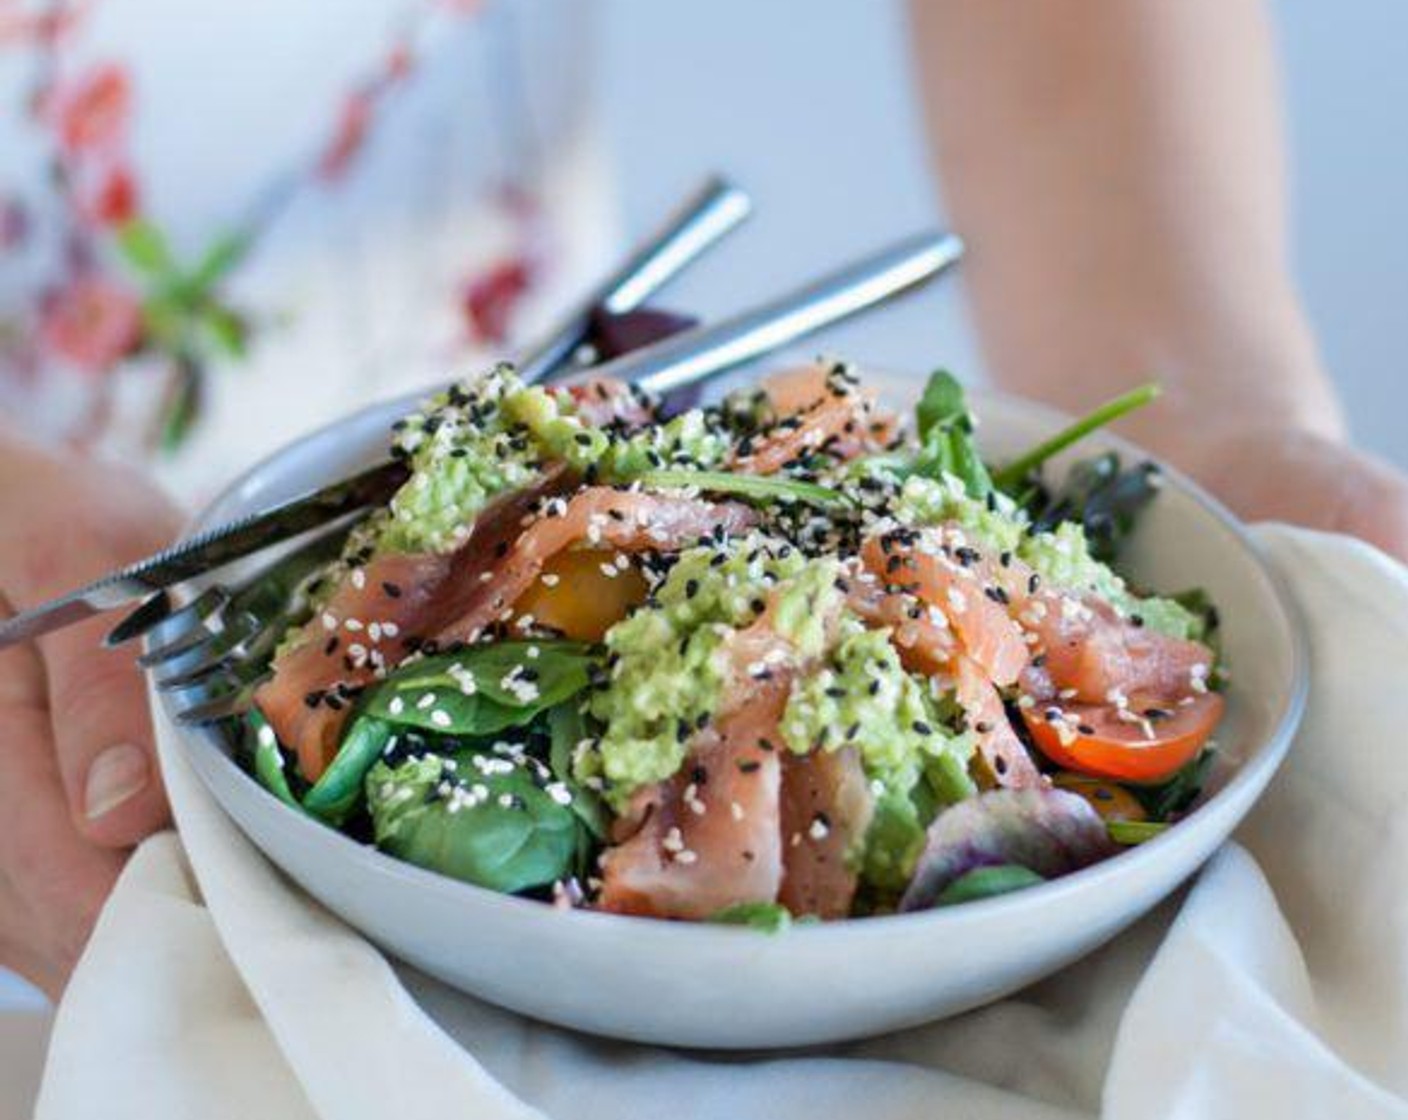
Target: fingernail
{"type": "Point", "coordinates": [116, 775]}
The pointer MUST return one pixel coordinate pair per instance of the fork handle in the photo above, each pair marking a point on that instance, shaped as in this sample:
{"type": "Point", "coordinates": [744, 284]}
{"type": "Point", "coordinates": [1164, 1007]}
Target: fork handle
{"type": "Point", "coordinates": [704, 352]}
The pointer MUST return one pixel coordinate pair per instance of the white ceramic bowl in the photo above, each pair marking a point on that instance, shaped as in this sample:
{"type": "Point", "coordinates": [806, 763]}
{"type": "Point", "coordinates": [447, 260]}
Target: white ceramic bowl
{"type": "Point", "coordinates": [730, 987]}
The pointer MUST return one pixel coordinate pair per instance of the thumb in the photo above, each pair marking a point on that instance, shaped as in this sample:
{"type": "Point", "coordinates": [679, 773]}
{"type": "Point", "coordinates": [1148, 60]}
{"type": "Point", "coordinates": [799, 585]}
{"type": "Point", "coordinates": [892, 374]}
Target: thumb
{"type": "Point", "coordinates": [81, 521]}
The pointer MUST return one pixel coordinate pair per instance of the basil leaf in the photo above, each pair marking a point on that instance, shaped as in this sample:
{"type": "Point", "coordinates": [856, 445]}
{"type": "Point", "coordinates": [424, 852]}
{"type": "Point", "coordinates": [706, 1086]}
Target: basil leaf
{"type": "Point", "coordinates": [491, 826]}
{"type": "Point", "coordinates": [766, 917]}
{"type": "Point", "coordinates": [770, 487]}
{"type": "Point", "coordinates": [987, 882]}
{"type": "Point", "coordinates": [338, 793]}
{"type": "Point", "coordinates": [481, 690]}
{"type": "Point", "coordinates": [945, 430]}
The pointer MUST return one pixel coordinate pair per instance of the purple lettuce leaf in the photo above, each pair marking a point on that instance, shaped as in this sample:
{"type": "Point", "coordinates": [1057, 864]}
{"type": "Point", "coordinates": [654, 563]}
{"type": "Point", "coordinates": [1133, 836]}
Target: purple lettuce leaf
{"type": "Point", "coordinates": [1049, 831]}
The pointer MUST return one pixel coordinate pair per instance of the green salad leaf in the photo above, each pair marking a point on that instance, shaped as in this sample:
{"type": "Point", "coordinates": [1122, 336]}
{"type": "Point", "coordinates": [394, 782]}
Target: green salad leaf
{"type": "Point", "coordinates": [766, 917]}
{"type": "Point", "coordinates": [987, 882]}
{"type": "Point", "coordinates": [567, 727]}
{"type": "Point", "coordinates": [747, 486]}
{"type": "Point", "coordinates": [268, 757]}
{"type": "Point", "coordinates": [1130, 833]}
{"type": "Point", "coordinates": [338, 793]}
{"type": "Point", "coordinates": [945, 430]}
{"type": "Point", "coordinates": [488, 822]}
{"type": "Point", "coordinates": [1103, 498]}
{"type": "Point", "coordinates": [1176, 795]}
{"type": "Point", "coordinates": [481, 690]}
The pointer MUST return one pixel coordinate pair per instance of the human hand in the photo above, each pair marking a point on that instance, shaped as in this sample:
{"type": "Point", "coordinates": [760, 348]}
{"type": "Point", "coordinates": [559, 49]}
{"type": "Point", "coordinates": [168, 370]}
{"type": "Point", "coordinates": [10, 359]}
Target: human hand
{"type": "Point", "coordinates": [79, 784]}
{"type": "Point", "coordinates": [1286, 473]}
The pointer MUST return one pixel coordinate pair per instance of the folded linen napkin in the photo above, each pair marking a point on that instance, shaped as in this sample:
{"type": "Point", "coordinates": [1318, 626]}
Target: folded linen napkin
{"type": "Point", "coordinates": [1276, 985]}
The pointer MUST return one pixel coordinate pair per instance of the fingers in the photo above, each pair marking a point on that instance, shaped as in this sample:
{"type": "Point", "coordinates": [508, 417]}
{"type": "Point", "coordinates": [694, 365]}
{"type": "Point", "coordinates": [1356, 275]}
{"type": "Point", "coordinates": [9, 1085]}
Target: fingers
{"type": "Point", "coordinates": [52, 881]}
{"type": "Point", "coordinates": [102, 736]}
{"type": "Point", "coordinates": [80, 522]}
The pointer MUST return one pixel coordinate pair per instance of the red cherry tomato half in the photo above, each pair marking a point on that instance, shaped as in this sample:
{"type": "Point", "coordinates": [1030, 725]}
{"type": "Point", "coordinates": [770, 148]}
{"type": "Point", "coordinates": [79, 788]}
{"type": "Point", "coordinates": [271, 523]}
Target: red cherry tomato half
{"type": "Point", "coordinates": [1098, 740]}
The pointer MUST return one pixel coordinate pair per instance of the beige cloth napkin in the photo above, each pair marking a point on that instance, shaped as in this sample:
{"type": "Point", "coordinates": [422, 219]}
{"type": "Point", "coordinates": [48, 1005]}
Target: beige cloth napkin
{"type": "Point", "coordinates": [1276, 986]}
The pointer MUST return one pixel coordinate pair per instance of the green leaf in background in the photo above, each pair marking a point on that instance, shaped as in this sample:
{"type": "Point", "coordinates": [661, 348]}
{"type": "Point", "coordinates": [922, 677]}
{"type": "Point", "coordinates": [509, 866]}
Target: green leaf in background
{"type": "Point", "coordinates": [987, 882]}
{"type": "Point", "coordinates": [482, 690]}
{"type": "Point", "coordinates": [144, 247]}
{"type": "Point", "coordinates": [224, 254]}
{"type": "Point", "coordinates": [225, 330]}
{"type": "Point", "coordinates": [494, 827]}
{"type": "Point", "coordinates": [945, 430]}
{"type": "Point", "coordinates": [766, 917]}
{"type": "Point", "coordinates": [1130, 833]}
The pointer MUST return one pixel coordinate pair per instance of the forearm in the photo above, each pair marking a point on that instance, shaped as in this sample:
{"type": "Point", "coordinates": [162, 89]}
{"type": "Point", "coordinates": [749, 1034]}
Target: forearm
{"type": "Point", "coordinates": [1117, 168]}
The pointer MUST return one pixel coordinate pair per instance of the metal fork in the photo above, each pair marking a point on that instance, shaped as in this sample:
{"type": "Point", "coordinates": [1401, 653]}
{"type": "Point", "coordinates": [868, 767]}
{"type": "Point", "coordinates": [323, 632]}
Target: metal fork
{"type": "Point", "coordinates": [220, 679]}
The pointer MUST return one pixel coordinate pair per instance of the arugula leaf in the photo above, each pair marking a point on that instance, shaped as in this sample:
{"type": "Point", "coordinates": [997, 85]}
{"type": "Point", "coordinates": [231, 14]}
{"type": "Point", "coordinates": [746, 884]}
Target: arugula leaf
{"type": "Point", "coordinates": [481, 690]}
{"type": "Point", "coordinates": [987, 882]}
{"type": "Point", "coordinates": [746, 485]}
{"type": "Point", "coordinates": [766, 917]}
{"type": "Point", "coordinates": [1015, 473]}
{"type": "Point", "coordinates": [945, 430]}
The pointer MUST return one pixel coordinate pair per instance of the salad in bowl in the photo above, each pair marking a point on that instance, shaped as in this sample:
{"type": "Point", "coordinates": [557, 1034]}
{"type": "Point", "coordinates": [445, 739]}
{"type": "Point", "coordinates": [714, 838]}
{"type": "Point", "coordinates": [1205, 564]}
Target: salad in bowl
{"type": "Point", "coordinates": [787, 657]}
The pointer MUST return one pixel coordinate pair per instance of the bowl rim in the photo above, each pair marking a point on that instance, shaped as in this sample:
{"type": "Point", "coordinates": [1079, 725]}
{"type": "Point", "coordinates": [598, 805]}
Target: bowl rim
{"type": "Point", "coordinates": [1246, 783]}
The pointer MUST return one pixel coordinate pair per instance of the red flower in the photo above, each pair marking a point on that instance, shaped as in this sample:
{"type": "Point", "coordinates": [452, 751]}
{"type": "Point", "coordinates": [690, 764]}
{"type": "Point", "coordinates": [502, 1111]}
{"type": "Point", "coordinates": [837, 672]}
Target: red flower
{"type": "Point", "coordinates": [399, 62]}
{"type": "Point", "coordinates": [93, 323]}
{"type": "Point", "coordinates": [490, 299]}
{"type": "Point", "coordinates": [115, 201]}
{"type": "Point", "coordinates": [92, 112]}
{"type": "Point", "coordinates": [351, 133]}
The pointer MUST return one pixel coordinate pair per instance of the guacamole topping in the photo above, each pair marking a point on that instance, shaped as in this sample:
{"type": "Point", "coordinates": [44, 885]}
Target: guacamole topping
{"type": "Point", "coordinates": [1061, 557]}
{"type": "Point", "coordinates": [478, 440]}
{"type": "Point", "coordinates": [863, 698]}
{"type": "Point", "coordinates": [667, 663]}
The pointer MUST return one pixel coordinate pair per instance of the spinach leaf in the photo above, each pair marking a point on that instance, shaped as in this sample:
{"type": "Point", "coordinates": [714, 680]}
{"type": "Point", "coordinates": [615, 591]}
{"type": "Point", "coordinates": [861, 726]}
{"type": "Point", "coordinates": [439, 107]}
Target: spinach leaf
{"type": "Point", "coordinates": [481, 690]}
{"type": "Point", "coordinates": [747, 486]}
{"type": "Point", "coordinates": [766, 917]}
{"type": "Point", "coordinates": [268, 759]}
{"type": "Point", "coordinates": [479, 817]}
{"type": "Point", "coordinates": [987, 882]}
{"type": "Point", "coordinates": [945, 430]}
{"type": "Point", "coordinates": [338, 793]}
{"type": "Point", "coordinates": [567, 727]}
